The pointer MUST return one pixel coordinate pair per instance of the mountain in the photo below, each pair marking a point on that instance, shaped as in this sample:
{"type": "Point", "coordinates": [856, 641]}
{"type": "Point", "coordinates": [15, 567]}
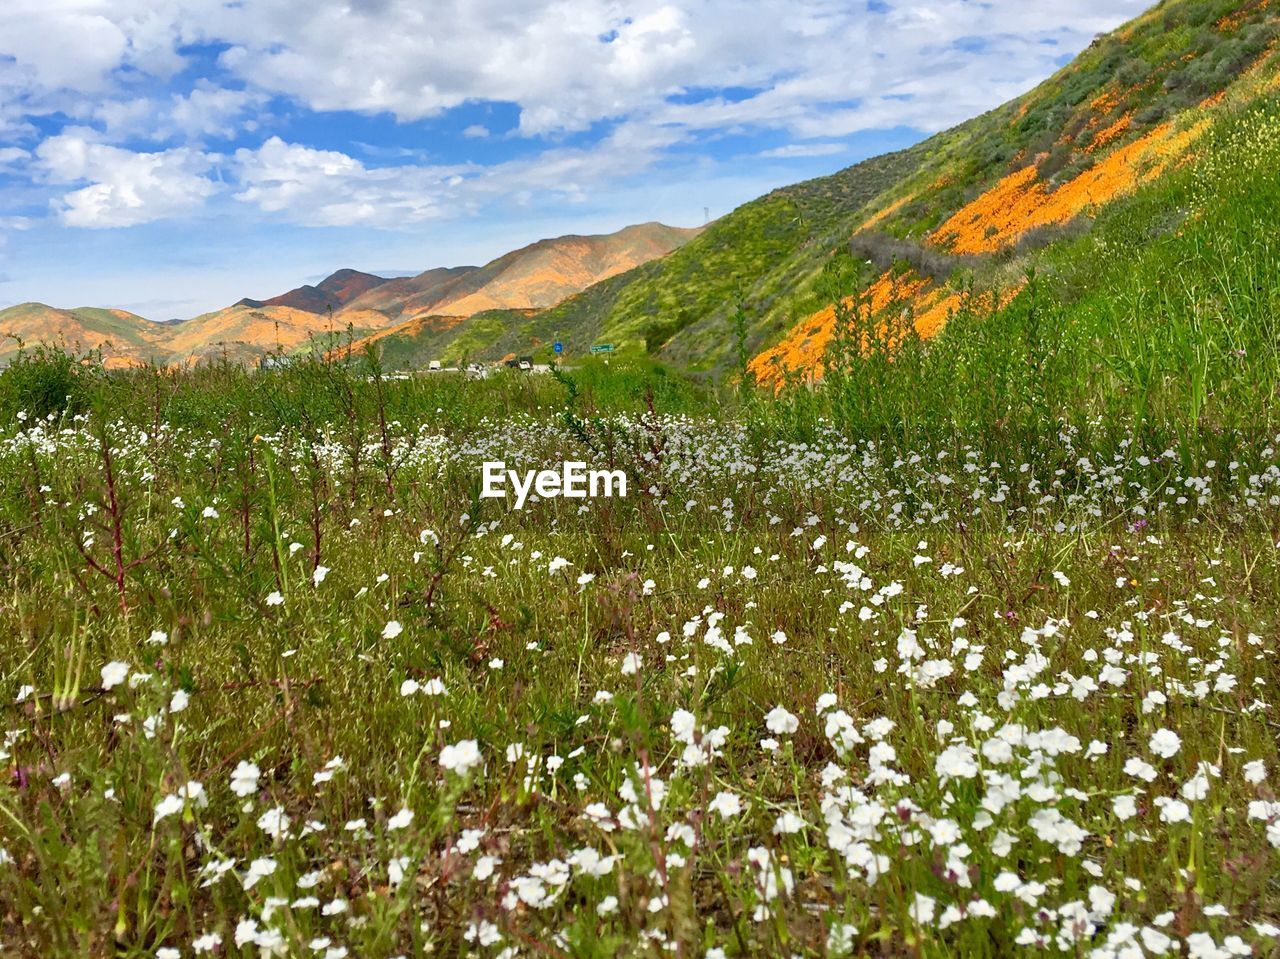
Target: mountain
{"type": "Point", "coordinates": [349, 305]}
{"type": "Point", "coordinates": [246, 334]}
{"type": "Point", "coordinates": [971, 208]}
{"type": "Point", "coordinates": [123, 338]}
{"type": "Point", "coordinates": [333, 292]}
{"type": "Point", "coordinates": [442, 313]}
{"type": "Point", "coordinates": [418, 311]}
{"type": "Point", "coordinates": [431, 286]}
{"type": "Point", "coordinates": [534, 277]}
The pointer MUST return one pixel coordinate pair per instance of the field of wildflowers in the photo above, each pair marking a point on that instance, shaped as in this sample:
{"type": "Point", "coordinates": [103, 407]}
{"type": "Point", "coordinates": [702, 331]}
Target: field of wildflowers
{"type": "Point", "coordinates": [967, 650]}
{"type": "Point", "coordinates": [278, 683]}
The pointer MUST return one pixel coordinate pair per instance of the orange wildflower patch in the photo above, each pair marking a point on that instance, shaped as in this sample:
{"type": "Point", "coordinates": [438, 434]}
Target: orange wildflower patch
{"type": "Point", "coordinates": [805, 346]}
{"type": "Point", "coordinates": [1105, 136]}
{"type": "Point", "coordinates": [1263, 57]}
{"type": "Point", "coordinates": [1104, 103]}
{"type": "Point", "coordinates": [803, 351]}
{"type": "Point", "coordinates": [1233, 20]}
{"type": "Point", "coordinates": [1019, 203]}
{"type": "Point", "coordinates": [1171, 151]}
{"type": "Point", "coordinates": [939, 308]}
{"type": "Point", "coordinates": [887, 212]}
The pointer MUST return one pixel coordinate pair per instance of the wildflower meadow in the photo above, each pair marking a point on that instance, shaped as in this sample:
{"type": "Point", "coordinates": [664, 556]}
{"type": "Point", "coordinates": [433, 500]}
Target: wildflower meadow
{"type": "Point", "coordinates": [279, 682]}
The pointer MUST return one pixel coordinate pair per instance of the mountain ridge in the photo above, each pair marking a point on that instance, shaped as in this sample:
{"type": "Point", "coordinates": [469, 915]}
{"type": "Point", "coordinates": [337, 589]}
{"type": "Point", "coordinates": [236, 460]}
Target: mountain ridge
{"type": "Point", "coordinates": [332, 293]}
{"type": "Point", "coordinates": [348, 303]}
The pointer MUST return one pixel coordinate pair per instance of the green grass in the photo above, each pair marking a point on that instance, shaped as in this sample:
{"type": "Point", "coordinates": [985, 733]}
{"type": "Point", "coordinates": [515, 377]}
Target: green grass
{"type": "Point", "coordinates": [929, 586]}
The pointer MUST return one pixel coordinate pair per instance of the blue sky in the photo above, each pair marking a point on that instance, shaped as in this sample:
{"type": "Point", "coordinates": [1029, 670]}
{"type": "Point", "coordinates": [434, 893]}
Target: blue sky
{"type": "Point", "coordinates": [171, 157]}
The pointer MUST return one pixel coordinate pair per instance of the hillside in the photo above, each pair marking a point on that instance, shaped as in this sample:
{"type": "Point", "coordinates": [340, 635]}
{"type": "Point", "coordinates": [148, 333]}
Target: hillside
{"type": "Point", "coordinates": [123, 338]}
{"type": "Point", "coordinates": [1011, 191]}
{"type": "Point", "coordinates": [333, 292]}
{"type": "Point", "coordinates": [439, 312]}
{"type": "Point", "coordinates": [976, 204]}
{"type": "Point", "coordinates": [534, 277]}
{"type": "Point", "coordinates": [498, 299]}
{"type": "Point", "coordinates": [246, 334]}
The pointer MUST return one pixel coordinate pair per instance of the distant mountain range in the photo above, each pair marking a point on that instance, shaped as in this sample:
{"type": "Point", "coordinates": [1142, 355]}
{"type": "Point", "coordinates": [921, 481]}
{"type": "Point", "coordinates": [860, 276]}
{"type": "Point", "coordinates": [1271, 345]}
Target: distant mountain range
{"type": "Point", "coordinates": [332, 293]}
{"type": "Point", "coordinates": [347, 305]}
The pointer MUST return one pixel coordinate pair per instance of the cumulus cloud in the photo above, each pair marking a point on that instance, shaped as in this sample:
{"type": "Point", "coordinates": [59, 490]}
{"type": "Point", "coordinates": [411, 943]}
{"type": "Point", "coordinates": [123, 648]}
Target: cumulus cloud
{"type": "Point", "coordinates": [300, 184]}
{"type": "Point", "coordinates": [124, 188]}
{"type": "Point", "coordinates": [566, 63]}
{"type": "Point", "coordinates": [650, 73]}
{"type": "Point", "coordinates": [330, 188]}
{"type": "Point", "coordinates": [207, 111]}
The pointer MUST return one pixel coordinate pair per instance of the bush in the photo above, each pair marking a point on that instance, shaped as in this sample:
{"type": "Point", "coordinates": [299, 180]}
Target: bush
{"type": "Point", "coordinates": [47, 380]}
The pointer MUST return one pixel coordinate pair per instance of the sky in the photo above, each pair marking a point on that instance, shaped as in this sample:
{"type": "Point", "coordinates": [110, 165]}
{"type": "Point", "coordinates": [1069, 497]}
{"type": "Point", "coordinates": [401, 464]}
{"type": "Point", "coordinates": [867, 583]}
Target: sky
{"type": "Point", "coordinates": [172, 156]}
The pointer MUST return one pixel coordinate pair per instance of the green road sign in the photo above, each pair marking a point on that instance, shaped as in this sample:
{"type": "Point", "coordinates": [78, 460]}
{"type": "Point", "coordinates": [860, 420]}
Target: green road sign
{"type": "Point", "coordinates": [602, 348]}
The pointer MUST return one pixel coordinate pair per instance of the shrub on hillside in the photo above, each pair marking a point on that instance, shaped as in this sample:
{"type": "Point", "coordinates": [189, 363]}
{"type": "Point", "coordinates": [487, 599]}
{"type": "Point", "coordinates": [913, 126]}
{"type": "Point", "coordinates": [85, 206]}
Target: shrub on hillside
{"type": "Point", "coordinates": [45, 380]}
{"type": "Point", "coordinates": [884, 250]}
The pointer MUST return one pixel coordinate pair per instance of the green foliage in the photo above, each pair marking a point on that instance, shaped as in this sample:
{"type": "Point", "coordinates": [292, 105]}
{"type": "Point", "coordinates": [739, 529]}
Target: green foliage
{"type": "Point", "coordinates": [44, 381]}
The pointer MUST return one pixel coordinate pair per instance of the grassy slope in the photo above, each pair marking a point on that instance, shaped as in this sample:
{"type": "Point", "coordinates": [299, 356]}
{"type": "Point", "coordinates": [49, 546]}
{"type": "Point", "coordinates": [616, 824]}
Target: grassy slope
{"type": "Point", "coordinates": [1163, 316]}
{"type": "Point", "coordinates": [769, 254]}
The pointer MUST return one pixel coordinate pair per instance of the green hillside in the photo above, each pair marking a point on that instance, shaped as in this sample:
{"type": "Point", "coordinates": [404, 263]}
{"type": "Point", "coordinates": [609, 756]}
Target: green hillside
{"type": "Point", "coordinates": [1151, 71]}
{"type": "Point", "coordinates": [1134, 98]}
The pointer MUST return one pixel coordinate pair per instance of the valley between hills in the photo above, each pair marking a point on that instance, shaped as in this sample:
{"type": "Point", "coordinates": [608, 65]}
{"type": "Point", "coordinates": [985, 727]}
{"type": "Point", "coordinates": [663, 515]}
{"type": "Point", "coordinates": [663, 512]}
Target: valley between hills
{"type": "Point", "coordinates": [933, 613]}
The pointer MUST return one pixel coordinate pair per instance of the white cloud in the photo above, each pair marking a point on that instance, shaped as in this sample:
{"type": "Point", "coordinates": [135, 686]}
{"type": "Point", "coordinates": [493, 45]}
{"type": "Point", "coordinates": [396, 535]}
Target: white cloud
{"type": "Point", "coordinates": [207, 111]}
{"type": "Point", "coordinates": [62, 45]}
{"type": "Point", "coordinates": [797, 150]}
{"type": "Point", "coordinates": [329, 188]}
{"type": "Point", "coordinates": [660, 71]}
{"type": "Point", "coordinates": [124, 188]}
{"type": "Point", "coordinates": [299, 184]}
{"type": "Point", "coordinates": [566, 63]}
